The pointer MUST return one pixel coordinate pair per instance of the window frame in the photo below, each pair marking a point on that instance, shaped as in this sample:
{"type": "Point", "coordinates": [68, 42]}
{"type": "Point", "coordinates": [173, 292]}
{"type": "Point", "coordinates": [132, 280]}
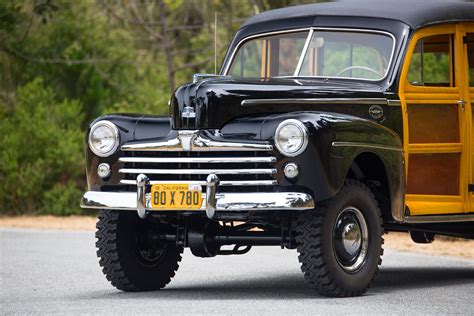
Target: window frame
{"type": "Point", "coordinates": [452, 62]}
{"type": "Point", "coordinates": [442, 29]}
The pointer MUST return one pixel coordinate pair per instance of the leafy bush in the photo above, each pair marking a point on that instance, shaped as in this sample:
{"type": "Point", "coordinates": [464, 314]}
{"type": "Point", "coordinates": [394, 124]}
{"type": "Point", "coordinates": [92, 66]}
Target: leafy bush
{"type": "Point", "coordinates": [42, 165]}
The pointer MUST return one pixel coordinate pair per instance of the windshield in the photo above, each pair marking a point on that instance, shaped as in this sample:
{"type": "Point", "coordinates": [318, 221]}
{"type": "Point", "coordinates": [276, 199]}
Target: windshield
{"type": "Point", "coordinates": [327, 54]}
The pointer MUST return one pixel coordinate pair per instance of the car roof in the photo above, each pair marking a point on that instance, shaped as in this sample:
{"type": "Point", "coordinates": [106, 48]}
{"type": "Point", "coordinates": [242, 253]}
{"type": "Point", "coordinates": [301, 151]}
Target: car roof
{"type": "Point", "coordinates": [415, 13]}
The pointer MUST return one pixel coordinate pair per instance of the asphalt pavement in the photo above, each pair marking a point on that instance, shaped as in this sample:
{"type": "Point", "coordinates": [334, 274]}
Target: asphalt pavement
{"type": "Point", "coordinates": [57, 272]}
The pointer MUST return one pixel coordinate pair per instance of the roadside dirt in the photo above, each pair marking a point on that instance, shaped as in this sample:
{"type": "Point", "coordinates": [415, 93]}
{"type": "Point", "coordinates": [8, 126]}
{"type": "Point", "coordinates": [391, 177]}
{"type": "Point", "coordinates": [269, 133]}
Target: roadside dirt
{"type": "Point", "coordinates": [442, 246]}
{"type": "Point", "coordinates": [398, 241]}
{"type": "Point", "coordinates": [73, 222]}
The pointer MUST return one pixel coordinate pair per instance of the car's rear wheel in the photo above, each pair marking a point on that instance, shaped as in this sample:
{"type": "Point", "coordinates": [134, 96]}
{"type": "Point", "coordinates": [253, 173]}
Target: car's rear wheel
{"type": "Point", "coordinates": [131, 257]}
{"type": "Point", "coordinates": [340, 242]}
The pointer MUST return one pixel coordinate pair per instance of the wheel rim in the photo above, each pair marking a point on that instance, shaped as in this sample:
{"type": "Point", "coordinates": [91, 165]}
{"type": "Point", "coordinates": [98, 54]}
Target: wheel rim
{"type": "Point", "coordinates": [350, 239]}
{"type": "Point", "coordinates": [148, 250]}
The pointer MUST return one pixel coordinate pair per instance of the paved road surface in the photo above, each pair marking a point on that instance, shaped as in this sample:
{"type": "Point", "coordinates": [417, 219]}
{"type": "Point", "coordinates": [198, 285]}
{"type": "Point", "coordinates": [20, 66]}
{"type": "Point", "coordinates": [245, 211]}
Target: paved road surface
{"type": "Point", "coordinates": [57, 272]}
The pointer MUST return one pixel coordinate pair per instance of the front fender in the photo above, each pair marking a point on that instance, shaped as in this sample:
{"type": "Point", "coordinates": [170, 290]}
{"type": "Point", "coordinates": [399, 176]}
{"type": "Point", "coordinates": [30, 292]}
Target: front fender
{"type": "Point", "coordinates": [131, 128]}
{"type": "Point", "coordinates": [335, 140]}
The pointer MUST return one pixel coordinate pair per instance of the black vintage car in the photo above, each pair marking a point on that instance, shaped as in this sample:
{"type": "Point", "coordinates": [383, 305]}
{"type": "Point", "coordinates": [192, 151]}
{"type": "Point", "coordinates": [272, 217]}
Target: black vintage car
{"type": "Point", "coordinates": [327, 125]}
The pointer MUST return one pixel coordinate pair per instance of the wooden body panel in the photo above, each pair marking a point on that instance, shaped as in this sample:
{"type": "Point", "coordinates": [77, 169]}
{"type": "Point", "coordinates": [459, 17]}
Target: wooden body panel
{"type": "Point", "coordinates": [437, 125]}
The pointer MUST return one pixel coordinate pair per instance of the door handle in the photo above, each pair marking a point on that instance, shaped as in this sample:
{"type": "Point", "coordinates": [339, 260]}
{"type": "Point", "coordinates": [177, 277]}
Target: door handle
{"type": "Point", "coordinates": [462, 103]}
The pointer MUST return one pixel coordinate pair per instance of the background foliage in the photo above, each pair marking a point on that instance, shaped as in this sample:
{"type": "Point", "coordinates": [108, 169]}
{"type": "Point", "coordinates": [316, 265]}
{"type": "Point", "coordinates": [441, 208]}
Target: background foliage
{"type": "Point", "coordinates": [62, 63]}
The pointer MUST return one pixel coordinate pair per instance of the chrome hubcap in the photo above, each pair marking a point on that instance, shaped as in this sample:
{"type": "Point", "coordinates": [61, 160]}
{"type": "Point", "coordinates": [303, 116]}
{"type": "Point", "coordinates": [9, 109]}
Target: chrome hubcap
{"type": "Point", "coordinates": [350, 238]}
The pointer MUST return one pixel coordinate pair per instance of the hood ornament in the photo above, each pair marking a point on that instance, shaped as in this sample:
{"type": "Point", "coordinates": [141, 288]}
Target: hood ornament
{"type": "Point", "coordinates": [188, 112]}
{"type": "Point", "coordinates": [186, 139]}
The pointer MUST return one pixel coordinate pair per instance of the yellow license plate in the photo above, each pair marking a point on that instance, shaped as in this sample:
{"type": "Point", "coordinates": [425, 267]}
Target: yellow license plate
{"type": "Point", "coordinates": [176, 196]}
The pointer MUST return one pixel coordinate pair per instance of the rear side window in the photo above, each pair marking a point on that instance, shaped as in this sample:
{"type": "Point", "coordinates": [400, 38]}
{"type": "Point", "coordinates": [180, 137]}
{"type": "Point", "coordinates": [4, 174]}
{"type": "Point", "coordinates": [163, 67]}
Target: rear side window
{"type": "Point", "coordinates": [470, 57]}
{"type": "Point", "coordinates": [432, 62]}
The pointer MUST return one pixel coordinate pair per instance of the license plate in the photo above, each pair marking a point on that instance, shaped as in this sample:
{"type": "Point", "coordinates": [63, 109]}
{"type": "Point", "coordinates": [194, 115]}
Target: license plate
{"type": "Point", "coordinates": [176, 196]}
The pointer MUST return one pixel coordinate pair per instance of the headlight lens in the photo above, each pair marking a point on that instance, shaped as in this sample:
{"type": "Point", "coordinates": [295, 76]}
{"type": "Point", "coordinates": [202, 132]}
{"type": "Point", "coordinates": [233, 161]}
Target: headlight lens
{"type": "Point", "coordinates": [103, 138]}
{"type": "Point", "coordinates": [291, 137]}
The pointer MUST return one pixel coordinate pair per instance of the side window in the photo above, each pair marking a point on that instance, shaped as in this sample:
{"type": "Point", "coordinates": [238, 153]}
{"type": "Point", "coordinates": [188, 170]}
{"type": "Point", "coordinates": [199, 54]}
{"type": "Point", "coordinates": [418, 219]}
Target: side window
{"type": "Point", "coordinates": [432, 63]}
{"type": "Point", "coordinates": [470, 58]}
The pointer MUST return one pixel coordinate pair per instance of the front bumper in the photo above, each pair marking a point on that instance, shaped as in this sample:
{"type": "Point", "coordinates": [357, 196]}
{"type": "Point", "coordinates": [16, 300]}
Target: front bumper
{"type": "Point", "coordinates": [220, 202]}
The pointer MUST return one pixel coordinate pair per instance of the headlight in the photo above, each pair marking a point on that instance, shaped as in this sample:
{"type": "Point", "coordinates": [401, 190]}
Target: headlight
{"type": "Point", "coordinates": [291, 137]}
{"type": "Point", "coordinates": [103, 138]}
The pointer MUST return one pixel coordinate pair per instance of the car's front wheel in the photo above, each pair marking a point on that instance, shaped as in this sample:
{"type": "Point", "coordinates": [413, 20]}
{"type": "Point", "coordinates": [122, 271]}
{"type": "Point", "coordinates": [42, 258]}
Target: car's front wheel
{"type": "Point", "coordinates": [131, 257]}
{"type": "Point", "coordinates": [340, 242]}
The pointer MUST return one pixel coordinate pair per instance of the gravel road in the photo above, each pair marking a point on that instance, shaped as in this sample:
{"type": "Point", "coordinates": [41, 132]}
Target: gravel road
{"type": "Point", "coordinates": [57, 272]}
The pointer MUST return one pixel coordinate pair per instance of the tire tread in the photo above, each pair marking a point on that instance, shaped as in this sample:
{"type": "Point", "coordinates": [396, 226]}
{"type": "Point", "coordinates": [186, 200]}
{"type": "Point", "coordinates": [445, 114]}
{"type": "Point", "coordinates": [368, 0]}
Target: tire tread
{"type": "Point", "coordinates": [109, 257]}
{"type": "Point", "coordinates": [309, 240]}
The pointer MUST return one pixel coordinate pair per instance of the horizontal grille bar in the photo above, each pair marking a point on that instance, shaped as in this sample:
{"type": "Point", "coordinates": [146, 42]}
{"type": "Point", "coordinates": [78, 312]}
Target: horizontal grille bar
{"type": "Point", "coordinates": [198, 144]}
{"type": "Point", "coordinates": [203, 183]}
{"type": "Point", "coordinates": [198, 171]}
{"type": "Point", "coordinates": [199, 159]}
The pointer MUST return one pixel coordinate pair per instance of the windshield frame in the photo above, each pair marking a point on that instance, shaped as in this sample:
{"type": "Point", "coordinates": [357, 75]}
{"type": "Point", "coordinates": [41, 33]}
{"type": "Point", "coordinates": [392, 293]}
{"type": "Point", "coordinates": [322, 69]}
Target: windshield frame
{"type": "Point", "coordinates": [311, 31]}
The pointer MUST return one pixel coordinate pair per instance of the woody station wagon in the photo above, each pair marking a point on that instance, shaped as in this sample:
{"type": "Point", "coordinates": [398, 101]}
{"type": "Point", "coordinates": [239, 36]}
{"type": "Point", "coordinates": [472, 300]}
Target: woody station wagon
{"type": "Point", "coordinates": [328, 125]}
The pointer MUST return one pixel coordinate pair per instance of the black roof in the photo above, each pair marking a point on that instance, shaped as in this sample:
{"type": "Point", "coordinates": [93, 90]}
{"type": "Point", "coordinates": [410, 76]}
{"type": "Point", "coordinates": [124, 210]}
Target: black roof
{"type": "Point", "coordinates": [415, 13]}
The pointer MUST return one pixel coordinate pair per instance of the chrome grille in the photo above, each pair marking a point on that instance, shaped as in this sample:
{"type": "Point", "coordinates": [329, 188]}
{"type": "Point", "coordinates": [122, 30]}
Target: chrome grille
{"type": "Point", "coordinates": [193, 155]}
{"type": "Point", "coordinates": [234, 168]}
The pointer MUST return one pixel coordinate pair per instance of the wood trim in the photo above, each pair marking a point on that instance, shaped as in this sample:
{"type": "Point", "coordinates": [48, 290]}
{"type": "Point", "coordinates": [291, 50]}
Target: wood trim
{"type": "Point", "coordinates": [435, 148]}
{"type": "Point", "coordinates": [412, 96]}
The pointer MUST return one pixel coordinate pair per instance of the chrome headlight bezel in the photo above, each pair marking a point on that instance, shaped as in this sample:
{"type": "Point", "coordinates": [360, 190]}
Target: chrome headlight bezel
{"type": "Point", "coordinates": [115, 133]}
{"type": "Point", "coordinates": [304, 134]}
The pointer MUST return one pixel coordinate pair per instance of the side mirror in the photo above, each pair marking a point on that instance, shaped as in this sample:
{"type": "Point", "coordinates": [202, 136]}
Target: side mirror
{"type": "Point", "coordinates": [317, 42]}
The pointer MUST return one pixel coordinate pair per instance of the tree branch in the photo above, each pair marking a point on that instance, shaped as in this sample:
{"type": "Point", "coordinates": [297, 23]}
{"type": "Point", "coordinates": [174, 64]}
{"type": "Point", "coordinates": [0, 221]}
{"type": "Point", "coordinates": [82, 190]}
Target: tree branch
{"type": "Point", "coordinates": [126, 20]}
{"type": "Point", "coordinates": [144, 24]}
{"type": "Point", "coordinates": [194, 64]}
{"type": "Point", "coordinates": [84, 61]}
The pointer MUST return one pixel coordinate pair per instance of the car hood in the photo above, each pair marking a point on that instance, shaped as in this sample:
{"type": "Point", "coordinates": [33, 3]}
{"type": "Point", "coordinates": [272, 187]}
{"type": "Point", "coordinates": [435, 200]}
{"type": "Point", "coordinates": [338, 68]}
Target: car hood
{"type": "Point", "coordinates": [213, 102]}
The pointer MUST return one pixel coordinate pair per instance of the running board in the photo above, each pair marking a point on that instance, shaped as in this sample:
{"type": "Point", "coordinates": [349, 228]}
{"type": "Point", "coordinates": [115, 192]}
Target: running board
{"type": "Point", "coordinates": [455, 218]}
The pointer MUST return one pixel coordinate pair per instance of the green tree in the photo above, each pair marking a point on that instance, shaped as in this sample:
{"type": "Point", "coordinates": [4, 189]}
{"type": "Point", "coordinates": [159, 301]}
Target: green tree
{"type": "Point", "coordinates": [63, 63]}
{"type": "Point", "coordinates": [42, 167]}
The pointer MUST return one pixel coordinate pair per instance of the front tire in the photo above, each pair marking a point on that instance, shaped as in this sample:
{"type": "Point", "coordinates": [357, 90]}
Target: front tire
{"type": "Point", "coordinates": [130, 258]}
{"type": "Point", "coordinates": [340, 242]}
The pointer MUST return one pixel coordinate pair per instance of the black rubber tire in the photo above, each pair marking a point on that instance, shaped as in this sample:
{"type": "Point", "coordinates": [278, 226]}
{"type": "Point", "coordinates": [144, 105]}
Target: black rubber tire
{"type": "Point", "coordinates": [314, 237]}
{"type": "Point", "coordinates": [119, 260]}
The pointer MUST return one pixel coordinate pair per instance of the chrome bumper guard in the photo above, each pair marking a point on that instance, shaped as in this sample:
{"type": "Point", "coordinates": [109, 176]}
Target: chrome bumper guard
{"type": "Point", "coordinates": [220, 202]}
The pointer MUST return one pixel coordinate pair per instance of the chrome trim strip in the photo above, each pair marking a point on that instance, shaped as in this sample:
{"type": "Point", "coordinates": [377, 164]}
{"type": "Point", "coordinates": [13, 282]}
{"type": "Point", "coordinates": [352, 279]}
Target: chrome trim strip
{"type": "Point", "coordinates": [394, 102]}
{"type": "Point", "coordinates": [169, 145]}
{"type": "Point", "coordinates": [389, 65]}
{"type": "Point", "coordinates": [439, 218]}
{"type": "Point", "coordinates": [225, 202]}
{"type": "Point", "coordinates": [203, 183]}
{"type": "Point", "coordinates": [303, 53]}
{"type": "Point", "coordinates": [367, 145]}
{"type": "Point", "coordinates": [199, 159]}
{"type": "Point", "coordinates": [191, 141]}
{"type": "Point", "coordinates": [198, 171]}
{"type": "Point", "coordinates": [369, 101]}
